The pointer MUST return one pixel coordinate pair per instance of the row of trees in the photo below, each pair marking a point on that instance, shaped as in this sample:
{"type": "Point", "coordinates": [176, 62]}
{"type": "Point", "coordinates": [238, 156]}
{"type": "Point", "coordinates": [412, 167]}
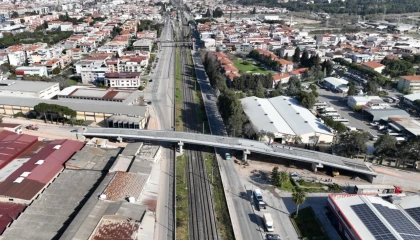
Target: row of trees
{"type": "Point", "coordinates": [397, 68]}
{"type": "Point", "coordinates": [268, 60]}
{"type": "Point", "coordinates": [54, 111]}
{"type": "Point", "coordinates": [247, 82]}
{"type": "Point", "coordinates": [228, 101]}
{"type": "Point", "coordinates": [367, 73]}
{"type": "Point", "coordinates": [407, 151]}
{"type": "Point", "coordinates": [34, 37]}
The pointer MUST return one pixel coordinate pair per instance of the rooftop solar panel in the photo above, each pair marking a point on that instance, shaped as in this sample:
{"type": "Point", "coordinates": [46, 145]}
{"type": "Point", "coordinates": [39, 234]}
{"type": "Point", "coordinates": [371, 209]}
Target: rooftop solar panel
{"type": "Point", "coordinates": [399, 221]}
{"type": "Point", "coordinates": [414, 213]}
{"type": "Point", "coordinates": [372, 222]}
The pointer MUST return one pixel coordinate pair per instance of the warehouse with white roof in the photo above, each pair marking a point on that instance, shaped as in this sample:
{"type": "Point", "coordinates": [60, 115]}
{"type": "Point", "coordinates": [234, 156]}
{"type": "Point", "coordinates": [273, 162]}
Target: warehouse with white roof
{"type": "Point", "coordinates": [285, 116]}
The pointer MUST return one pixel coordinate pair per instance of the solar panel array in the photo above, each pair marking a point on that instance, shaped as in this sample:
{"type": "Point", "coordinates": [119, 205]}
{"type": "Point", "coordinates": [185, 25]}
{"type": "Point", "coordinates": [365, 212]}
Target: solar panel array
{"type": "Point", "coordinates": [414, 213]}
{"type": "Point", "coordinates": [372, 222]}
{"type": "Point", "coordinates": [399, 222]}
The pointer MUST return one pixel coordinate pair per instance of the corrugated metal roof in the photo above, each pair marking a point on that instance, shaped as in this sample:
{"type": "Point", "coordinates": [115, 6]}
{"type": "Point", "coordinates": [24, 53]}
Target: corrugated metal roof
{"type": "Point", "coordinates": [12, 145]}
{"type": "Point", "coordinates": [28, 86]}
{"type": "Point", "coordinates": [78, 105]}
{"type": "Point", "coordinates": [40, 175]}
{"type": "Point", "coordinates": [9, 212]}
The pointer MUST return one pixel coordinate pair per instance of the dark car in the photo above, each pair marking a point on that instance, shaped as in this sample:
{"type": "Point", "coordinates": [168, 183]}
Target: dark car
{"type": "Point", "coordinates": [151, 80]}
{"type": "Point", "coordinates": [74, 130]}
{"type": "Point", "coordinates": [273, 237]}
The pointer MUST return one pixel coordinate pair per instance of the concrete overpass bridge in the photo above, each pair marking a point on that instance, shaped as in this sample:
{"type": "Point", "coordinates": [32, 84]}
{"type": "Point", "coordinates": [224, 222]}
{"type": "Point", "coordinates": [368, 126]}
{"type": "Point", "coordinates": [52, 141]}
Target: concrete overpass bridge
{"type": "Point", "coordinates": [316, 159]}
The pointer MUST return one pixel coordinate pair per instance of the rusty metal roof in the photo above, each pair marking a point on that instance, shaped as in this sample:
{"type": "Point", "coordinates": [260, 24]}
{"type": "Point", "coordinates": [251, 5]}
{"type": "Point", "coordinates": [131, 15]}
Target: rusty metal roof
{"type": "Point", "coordinates": [120, 229]}
{"type": "Point", "coordinates": [125, 185]}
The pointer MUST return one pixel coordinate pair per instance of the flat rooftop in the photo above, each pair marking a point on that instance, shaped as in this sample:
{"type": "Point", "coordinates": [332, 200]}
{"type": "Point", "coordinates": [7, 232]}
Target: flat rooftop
{"type": "Point", "coordinates": [25, 86]}
{"type": "Point", "coordinates": [53, 210]}
{"type": "Point", "coordinates": [92, 158]}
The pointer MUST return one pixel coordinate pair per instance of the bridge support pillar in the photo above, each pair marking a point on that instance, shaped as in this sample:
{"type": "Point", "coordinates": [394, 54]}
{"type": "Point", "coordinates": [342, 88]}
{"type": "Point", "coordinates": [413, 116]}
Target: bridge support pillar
{"type": "Point", "coordinates": [181, 149]}
{"type": "Point", "coordinates": [315, 166]}
{"type": "Point", "coordinates": [119, 139]}
{"type": "Point", "coordinates": [245, 155]}
{"type": "Point", "coordinates": [370, 178]}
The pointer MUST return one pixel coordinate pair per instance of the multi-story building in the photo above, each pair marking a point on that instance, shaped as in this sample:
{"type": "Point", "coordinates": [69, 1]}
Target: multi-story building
{"type": "Point", "coordinates": [93, 75]}
{"type": "Point", "coordinates": [123, 80]}
{"type": "Point", "coordinates": [31, 70]}
{"type": "Point", "coordinates": [410, 83]}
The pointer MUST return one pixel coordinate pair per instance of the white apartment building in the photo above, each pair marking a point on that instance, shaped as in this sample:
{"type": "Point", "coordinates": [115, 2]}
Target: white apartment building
{"type": "Point", "coordinates": [411, 83]}
{"type": "Point", "coordinates": [123, 80]}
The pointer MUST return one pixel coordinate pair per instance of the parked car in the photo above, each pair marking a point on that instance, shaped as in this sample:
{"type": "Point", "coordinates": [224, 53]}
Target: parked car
{"type": "Point", "coordinates": [74, 130]}
{"type": "Point", "coordinates": [273, 236]}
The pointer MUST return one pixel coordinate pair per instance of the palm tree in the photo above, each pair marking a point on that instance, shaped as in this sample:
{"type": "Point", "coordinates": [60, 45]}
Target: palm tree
{"type": "Point", "coordinates": [284, 177]}
{"type": "Point", "coordinates": [298, 198]}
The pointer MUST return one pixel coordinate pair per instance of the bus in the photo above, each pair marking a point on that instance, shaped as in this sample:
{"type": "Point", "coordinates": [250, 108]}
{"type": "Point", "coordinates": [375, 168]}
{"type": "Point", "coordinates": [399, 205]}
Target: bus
{"type": "Point", "coordinates": [377, 189]}
{"type": "Point", "coordinates": [320, 104]}
{"type": "Point", "coordinates": [342, 120]}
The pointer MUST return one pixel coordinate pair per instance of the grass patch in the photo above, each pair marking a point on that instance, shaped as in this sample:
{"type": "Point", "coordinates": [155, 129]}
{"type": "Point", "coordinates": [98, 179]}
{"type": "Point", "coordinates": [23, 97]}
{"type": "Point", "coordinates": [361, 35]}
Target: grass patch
{"type": "Point", "coordinates": [308, 226]}
{"type": "Point", "coordinates": [181, 198]}
{"type": "Point", "coordinates": [287, 186]}
{"type": "Point", "coordinates": [223, 221]}
{"type": "Point", "coordinates": [247, 67]}
{"type": "Point", "coordinates": [178, 92]}
{"type": "Point", "coordinates": [198, 98]}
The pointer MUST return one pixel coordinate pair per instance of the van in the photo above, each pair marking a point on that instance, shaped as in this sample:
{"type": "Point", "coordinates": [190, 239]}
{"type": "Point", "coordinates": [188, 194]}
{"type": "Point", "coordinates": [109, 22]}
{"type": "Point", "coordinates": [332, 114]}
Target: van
{"type": "Point", "coordinates": [268, 222]}
{"type": "Point", "coordinates": [257, 195]}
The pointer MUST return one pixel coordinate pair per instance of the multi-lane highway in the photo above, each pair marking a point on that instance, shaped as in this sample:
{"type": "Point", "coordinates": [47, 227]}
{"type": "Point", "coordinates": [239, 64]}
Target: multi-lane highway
{"type": "Point", "coordinates": [160, 92]}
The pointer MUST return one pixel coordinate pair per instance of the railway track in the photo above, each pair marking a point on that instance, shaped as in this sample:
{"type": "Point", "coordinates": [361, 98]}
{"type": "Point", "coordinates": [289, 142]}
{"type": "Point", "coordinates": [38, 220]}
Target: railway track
{"type": "Point", "coordinates": [202, 222]}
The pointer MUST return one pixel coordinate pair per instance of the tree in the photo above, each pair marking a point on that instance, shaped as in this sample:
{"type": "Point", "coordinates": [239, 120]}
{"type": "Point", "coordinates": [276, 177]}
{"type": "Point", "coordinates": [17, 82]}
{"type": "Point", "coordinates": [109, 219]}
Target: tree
{"type": "Point", "coordinates": [284, 177]}
{"type": "Point", "coordinates": [353, 143]}
{"type": "Point", "coordinates": [371, 88]}
{"type": "Point", "coordinates": [275, 177]}
{"type": "Point", "coordinates": [386, 145]}
{"type": "Point", "coordinates": [14, 15]}
{"type": "Point", "coordinates": [45, 25]}
{"type": "Point", "coordinates": [396, 68]}
{"type": "Point", "coordinates": [254, 11]}
{"type": "Point", "coordinates": [22, 21]}
{"type": "Point", "coordinates": [296, 55]}
{"type": "Point", "coordinates": [217, 13]}
{"type": "Point", "coordinates": [297, 139]}
{"type": "Point", "coordinates": [233, 48]}
{"type": "Point", "coordinates": [416, 103]}
{"type": "Point", "coordinates": [304, 60]}
{"type": "Point", "coordinates": [259, 91]}
{"type": "Point", "coordinates": [56, 70]}
{"type": "Point", "coordinates": [352, 89]}
{"type": "Point", "coordinates": [327, 66]}
{"type": "Point", "coordinates": [298, 198]}
{"type": "Point", "coordinates": [274, 93]}
{"type": "Point", "coordinates": [207, 14]}
{"type": "Point", "coordinates": [409, 151]}
{"type": "Point", "coordinates": [293, 86]}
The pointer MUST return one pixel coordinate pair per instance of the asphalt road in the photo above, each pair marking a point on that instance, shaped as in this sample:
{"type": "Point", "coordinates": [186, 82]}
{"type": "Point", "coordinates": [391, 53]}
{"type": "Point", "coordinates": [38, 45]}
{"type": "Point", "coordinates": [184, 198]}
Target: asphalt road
{"type": "Point", "coordinates": [161, 92]}
{"type": "Point", "coordinates": [245, 222]}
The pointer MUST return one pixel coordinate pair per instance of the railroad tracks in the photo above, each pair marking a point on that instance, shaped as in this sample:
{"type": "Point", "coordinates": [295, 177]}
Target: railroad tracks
{"type": "Point", "coordinates": [202, 221]}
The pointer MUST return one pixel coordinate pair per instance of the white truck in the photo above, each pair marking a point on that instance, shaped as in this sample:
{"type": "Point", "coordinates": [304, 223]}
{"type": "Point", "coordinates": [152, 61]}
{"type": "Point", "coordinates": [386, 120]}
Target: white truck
{"type": "Point", "coordinates": [268, 222]}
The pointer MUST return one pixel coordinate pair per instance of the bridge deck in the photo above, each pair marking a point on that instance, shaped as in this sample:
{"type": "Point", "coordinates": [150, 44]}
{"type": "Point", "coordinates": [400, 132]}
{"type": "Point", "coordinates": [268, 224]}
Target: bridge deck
{"type": "Point", "coordinates": [237, 144]}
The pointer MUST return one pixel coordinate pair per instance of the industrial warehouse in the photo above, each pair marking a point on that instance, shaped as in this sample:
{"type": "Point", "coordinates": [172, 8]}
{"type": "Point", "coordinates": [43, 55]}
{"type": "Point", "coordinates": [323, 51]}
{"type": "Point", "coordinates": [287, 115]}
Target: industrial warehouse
{"type": "Point", "coordinates": [285, 116]}
{"type": "Point", "coordinates": [55, 183]}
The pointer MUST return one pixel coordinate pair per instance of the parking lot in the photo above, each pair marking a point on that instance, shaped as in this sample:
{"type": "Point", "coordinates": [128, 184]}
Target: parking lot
{"type": "Point", "coordinates": [337, 101]}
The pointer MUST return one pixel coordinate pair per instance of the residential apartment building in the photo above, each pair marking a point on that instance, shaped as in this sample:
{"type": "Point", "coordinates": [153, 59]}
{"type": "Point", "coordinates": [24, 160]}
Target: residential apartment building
{"type": "Point", "coordinates": [123, 80]}
{"type": "Point", "coordinates": [410, 83]}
